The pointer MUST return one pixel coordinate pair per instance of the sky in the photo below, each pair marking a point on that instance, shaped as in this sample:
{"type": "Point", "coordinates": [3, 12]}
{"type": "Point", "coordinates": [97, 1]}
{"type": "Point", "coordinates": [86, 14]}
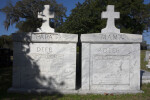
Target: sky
{"type": "Point", "coordinates": [69, 4]}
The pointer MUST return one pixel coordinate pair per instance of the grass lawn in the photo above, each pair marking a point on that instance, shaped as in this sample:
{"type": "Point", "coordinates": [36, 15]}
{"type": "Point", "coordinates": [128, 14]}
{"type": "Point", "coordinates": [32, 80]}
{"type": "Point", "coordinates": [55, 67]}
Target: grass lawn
{"type": "Point", "coordinates": [6, 78]}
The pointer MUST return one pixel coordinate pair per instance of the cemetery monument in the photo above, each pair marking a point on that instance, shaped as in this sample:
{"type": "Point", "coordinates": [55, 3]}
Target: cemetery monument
{"type": "Point", "coordinates": [111, 60]}
{"type": "Point", "coordinates": [44, 61]}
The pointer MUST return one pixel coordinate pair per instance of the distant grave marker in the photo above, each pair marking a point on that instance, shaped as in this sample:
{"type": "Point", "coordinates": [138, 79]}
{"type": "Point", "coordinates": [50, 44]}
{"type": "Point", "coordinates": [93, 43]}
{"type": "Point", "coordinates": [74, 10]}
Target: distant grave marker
{"type": "Point", "coordinates": [148, 65]}
{"type": "Point", "coordinates": [147, 55]}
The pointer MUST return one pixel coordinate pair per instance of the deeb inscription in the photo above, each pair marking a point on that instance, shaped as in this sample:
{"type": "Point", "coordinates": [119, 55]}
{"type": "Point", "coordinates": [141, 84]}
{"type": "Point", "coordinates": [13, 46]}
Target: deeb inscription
{"type": "Point", "coordinates": [53, 61]}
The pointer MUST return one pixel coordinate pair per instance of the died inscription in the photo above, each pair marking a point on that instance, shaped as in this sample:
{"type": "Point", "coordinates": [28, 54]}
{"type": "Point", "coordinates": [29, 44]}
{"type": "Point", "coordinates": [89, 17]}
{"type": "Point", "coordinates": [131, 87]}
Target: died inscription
{"type": "Point", "coordinates": [110, 66]}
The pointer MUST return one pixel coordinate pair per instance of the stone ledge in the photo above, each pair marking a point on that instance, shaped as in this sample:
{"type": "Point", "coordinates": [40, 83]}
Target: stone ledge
{"type": "Point", "coordinates": [41, 91]}
{"type": "Point", "coordinates": [45, 37]}
{"type": "Point", "coordinates": [111, 92]}
{"type": "Point", "coordinates": [83, 92]}
{"type": "Point", "coordinates": [111, 38]}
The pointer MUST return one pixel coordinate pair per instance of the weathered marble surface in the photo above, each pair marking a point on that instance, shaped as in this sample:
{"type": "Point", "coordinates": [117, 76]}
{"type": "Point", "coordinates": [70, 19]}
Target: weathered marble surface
{"type": "Point", "coordinates": [111, 38]}
{"type": "Point", "coordinates": [110, 66]}
{"type": "Point", "coordinates": [87, 92]}
{"type": "Point", "coordinates": [45, 37]}
{"type": "Point", "coordinates": [44, 61]}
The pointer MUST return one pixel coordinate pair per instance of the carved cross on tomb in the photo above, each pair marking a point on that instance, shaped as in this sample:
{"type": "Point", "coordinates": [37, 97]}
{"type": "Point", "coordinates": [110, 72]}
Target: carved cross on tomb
{"type": "Point", "coordinates": [111, 16]}
{"type": "Point", "coordinates": [46, 15]}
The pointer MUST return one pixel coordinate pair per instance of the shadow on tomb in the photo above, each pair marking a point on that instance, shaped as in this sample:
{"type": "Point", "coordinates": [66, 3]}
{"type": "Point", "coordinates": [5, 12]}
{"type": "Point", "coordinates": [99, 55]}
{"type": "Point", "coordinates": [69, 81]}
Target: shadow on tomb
{"type": "Point", "coordinates": [45, 61]}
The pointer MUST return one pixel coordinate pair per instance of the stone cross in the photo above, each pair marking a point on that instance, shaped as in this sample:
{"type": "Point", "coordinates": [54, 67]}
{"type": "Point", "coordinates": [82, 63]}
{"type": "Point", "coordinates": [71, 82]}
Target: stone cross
{"type": "Point", "coordinates": [46, 15]}
{"type": "Point", "coordinates": [110, 15]}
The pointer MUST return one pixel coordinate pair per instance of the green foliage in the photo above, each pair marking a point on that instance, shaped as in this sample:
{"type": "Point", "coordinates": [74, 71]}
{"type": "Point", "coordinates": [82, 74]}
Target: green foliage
{"type": "Point", "coordinates": [24, 14]}
{"type": "Point", "coordinates": [86, 17]}
{"type": "Point", "coordinates": [144, 45]}
{"type": "Point", "coordinates": [6, 41]}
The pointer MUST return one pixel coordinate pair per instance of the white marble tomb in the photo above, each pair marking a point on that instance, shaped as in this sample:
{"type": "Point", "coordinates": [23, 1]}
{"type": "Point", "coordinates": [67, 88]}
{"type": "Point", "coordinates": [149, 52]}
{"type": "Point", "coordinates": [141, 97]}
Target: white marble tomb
{"type": "Point", "coordinates": [44, 60]}
{"type": "Point", "coordinates": [111, 60]}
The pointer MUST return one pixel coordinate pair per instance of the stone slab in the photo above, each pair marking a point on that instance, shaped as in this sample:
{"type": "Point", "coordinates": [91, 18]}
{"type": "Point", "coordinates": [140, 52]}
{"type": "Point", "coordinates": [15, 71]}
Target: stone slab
{"type": "Point", "coordinates": [44, 65]}
{"type": "Point", "coordinates": [111, 38]}
{"type": "Point", "coordinates": [61, 92]}
{"type": "Point", "coordinates": [45, 37]}
{"type": "Point", "coordinates": [111, 62]}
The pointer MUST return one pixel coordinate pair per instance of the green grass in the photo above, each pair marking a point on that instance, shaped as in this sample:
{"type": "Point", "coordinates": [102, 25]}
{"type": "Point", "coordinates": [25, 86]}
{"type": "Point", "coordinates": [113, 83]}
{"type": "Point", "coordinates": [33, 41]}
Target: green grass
{"type": "Point", "coordinates": [6, 81]}
{"type": "Point", "coordinates": [143, 63]}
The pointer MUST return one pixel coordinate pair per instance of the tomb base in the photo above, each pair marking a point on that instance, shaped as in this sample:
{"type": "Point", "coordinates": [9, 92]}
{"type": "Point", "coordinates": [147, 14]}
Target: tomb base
{"type": "Point", "coordinates": [83, 92]}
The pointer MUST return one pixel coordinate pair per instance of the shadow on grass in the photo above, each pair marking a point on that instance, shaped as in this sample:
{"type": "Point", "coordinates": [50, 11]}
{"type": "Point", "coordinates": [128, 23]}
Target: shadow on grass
{"type": "Point", "coordinates": [6, 82]}
{"type": "Point", "coordinates": [27, 72]}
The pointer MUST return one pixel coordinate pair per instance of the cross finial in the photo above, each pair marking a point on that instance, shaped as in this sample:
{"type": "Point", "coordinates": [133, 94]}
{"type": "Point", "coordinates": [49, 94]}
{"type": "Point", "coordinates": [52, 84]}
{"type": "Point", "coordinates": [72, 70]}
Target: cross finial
{"type": "Point", "coordinates": [111, 16]}
{"type": "Point", "coordinates": [46, 15]}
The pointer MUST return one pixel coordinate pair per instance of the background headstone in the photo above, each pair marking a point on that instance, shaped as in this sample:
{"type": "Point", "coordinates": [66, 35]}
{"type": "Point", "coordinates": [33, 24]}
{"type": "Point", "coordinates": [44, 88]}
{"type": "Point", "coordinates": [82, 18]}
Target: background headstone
{"type": "Point", "coordinates": [148, 65]}
{"type": "Point", "coordinates": [147, 55]}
